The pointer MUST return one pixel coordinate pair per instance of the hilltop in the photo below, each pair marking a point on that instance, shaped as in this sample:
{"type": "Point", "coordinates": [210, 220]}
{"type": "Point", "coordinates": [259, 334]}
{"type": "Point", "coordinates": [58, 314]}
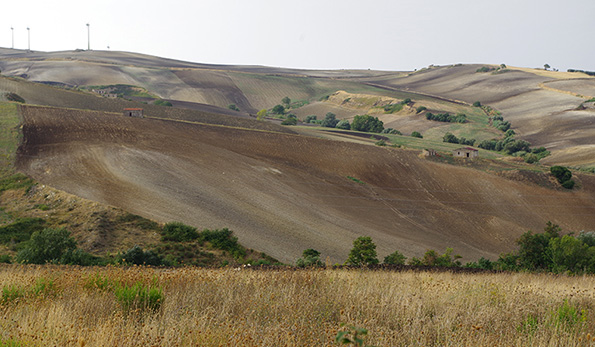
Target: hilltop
{"type": "Point", "coordinates": [285, 189]}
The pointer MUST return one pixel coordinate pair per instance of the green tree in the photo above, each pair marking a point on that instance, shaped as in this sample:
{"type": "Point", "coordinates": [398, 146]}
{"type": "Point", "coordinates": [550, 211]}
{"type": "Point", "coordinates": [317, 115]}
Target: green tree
{"type": "Point", "coordinates": [286, 101]}
{"type": "Point", "coordinates": [450, 138]}
{"type": "Point", "coordinates": [310, 119]}
{"type": "Point", "coordinates": [47, 246]}
{"type": "Point", "coordinates": [546, 66]}
{"type": "Point", "coordinates": [343, 124]}
{"type": "Point", "coordinates": [416, 134]}
{"type": "Point", "coordinates": [289, 121]}
{"type": "Point", "coordinates": [261, 114]}
{"type": "Point", "coordinates": [278, 109]}
{"type": "Point", "coordinates": [233, 107]}
{"type": "Point", "coordinates": [363, 252]}
{"type": "Point", "coordinates": [367, 123]}
{"type": "Point", "coordinates": [395, 258]}
{"type": "Point", "coordinates": [477, 104]}
{"type": "Point", "coordinates": [330, 120]}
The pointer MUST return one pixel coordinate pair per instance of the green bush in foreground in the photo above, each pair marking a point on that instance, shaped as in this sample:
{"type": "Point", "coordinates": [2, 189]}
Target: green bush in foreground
{"type": "Point", "coordinates": [178, 232]}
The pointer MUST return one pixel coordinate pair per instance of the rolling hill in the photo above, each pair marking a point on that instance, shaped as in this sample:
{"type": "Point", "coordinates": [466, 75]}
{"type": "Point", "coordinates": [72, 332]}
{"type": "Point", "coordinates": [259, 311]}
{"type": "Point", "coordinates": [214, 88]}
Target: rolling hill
{"type": "Point", "coordinates": [285, 189]}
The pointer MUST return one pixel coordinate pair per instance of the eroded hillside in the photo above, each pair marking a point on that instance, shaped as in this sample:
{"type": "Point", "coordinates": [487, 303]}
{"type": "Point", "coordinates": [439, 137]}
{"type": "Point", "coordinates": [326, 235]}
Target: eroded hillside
{"type": "Point", "coordinates": [282, 193]}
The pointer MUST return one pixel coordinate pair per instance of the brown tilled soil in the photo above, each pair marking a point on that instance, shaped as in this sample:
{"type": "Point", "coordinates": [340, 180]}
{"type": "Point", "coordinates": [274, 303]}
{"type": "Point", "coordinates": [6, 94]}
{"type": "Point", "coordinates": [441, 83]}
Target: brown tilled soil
{"type": "Point", "coordinates": [283, 193]}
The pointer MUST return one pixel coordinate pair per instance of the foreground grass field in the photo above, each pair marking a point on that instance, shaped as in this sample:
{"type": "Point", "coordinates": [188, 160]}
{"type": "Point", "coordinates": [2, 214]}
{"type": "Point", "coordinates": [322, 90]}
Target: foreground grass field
{"type": "Point", "coordinates": [66, 306]}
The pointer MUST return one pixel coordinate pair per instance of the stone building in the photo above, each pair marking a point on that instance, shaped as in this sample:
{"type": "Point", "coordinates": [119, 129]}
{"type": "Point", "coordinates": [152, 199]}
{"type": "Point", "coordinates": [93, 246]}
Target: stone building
{"type": "Point", "coordinates": [465, 152]}
{"type": "Point", "coordinates": [134, 112]}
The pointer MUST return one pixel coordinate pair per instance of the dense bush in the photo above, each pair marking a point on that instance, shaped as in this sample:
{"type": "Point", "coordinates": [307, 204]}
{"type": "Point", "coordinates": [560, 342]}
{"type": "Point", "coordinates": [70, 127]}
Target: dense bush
{"type": "Point", "coordinates": [224, 240]}
{"type": "Point", "coordinates": [395, 258]}
{"type": "Point", "coordinates": [343, 124]}
{"type": "Point", "coordinates": [420, 109]}
{"type": "Point", "coordinates": [20, 230]}
{"type": "Point", "coordinates": [391, 131]}
{"type": "Point", "coordinates": [310, 119]}
{"type": "Point", "coordinates": [367, 123]}
{"type": "Point", "coordinates": [590, 73]}
{"type": "Point", "coordinates": [477, 104]}
{"type": "Point", "coordinates": [416, 134]}
{"type": "Point", "coordinates": [563, 175]}
{"type": "Point", "coordinates": [233, 107]}
{"type": "Point", "coordinates": [178, 232]}
{"type": "Point", "coordinates": [14, 97]}
{"type": "Point", "coordinates": [310, 257]}
{"type": "Point", "coordinates": [137, 256]}
{"type": "Point", "coordinates": [289, 121]}
{"type": "Point", "coordinates": [446, 117]}
{"type": "Point", "coordinates": [330, 120]}
{"type": "Point", "coordinates": [278, 109]}
{"type": "Point", "coordinates": [52, 246]}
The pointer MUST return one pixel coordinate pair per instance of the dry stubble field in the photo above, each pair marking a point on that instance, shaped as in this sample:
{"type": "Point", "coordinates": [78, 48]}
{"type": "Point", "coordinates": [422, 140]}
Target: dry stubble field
{"type": "Point", "coordinates": [66, 306]}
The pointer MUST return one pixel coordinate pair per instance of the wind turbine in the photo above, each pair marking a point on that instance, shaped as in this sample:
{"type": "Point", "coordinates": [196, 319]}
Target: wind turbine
{"type": "Point", "coordinates": [12, 30]}
{"type": "Point", "coordinates": [88, 37]}
{"type": "Point", "coordinates": [28, 39]}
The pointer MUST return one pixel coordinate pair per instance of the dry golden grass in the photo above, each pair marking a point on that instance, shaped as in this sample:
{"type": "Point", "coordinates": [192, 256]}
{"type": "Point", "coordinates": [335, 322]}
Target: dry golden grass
{"type": "Point", "coordinates": [229, 307]}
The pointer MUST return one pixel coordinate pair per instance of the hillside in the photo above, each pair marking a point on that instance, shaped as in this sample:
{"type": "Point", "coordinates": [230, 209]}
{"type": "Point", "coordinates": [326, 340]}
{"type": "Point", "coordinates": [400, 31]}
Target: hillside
{"type": "Point", "coordinates": [544, 107]}
{"type": "Point", "coordinates": [282, 193]}
{"type": "Point", "coordinates": [284, 189]}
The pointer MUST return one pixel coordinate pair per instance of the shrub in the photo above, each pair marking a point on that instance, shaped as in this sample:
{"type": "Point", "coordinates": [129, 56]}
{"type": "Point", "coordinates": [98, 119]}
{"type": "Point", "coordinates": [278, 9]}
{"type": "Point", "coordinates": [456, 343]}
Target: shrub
{"type": "Point", "coordinates": [395, 258]}
{"type": "Point", "coordinates": [261, 114]}
{"type": "Point", "coordinates": [278, 109]}
{"type": "Point", "coordinates": [568, 184]}
{"type": "Point", "coordinates": [137, 256]}
{"type": "Point", "coordinates": [233, 107]}
{"type": "Point", "coordinates": [289, 121]}
{"type": "Point", "coordinates": [450, 138]}
{"type": "Point", "coordinates": [343, 124]}
{"type": "Point", "coordinates": [224, 240]}
{"type": "Point", "coordinates": [380, 143]}
{"type": "Point", "coordinates": [391, 131]}
{"type": "Point", "coordinates": [367, 123]}
{"type": "Point", "coordinates": [310, 257]}
{"type": "Point", "coordinates": [416, 134]}
{"type": "Point", "coordinates": [14, 97]}
{"type": "Point", "coordinates": [477, 104]}
{"type": "Point", "coordinates": [330, 120]}
{"type": "Point", "coordinates": [47, 246]}
{"type": "Point", "coordinates": [363, 252]}
{"type": "Point", "coordinates": [392, 108]}
{"type": "Point", "coordinates": [561, 173]}
{"type": "Point", "coordinates": [432, 258]}
{"type": "Point", "coordinates": [286, 100]}
{"type": "Point", "coordinates": [310, 119]}
{"type": "Point", "coordinates": [420, 109]}
{"type": "Point", "coordinates": [20, 230]}
{"type": "Point", "coordinates": [178, 232]}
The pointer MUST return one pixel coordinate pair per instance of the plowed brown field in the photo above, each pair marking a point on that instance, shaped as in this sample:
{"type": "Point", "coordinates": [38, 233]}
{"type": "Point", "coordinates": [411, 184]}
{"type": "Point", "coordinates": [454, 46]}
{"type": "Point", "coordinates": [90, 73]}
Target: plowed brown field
{"type": "Point", "coordinates": [283, 193]}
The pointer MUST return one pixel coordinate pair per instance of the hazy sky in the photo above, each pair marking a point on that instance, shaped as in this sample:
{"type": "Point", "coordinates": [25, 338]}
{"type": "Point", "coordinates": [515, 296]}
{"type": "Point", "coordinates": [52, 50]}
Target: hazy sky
{"type": "Point", "coordinates": [320, 34]}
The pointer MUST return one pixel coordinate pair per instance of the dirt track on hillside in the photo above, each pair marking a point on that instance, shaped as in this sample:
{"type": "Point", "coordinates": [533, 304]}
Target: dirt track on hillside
{"type": "Point", "coordinates": [283, 193]}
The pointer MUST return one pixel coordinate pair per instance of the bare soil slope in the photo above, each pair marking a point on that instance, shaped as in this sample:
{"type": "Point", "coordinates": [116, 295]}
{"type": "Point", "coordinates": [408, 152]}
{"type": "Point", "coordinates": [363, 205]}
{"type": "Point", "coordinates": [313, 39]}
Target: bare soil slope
{"type": "Point", "coordinates": [283, 193]}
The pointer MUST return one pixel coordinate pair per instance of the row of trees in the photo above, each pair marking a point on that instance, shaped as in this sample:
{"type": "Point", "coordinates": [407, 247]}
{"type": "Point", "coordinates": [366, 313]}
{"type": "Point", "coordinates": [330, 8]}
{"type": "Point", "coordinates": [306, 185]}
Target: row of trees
{"type": "Point", "coordinates": [547, 251]}
{"type": "Point", "coordinates": [447, 117]}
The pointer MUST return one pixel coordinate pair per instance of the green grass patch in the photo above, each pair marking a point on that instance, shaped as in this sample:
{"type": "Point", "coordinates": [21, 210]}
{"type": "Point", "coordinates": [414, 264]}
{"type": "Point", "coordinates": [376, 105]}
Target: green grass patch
{"type": "Point", "coordinates": [356, 180]}
{"type": "Point", "coordinates": [123, 90]}
{"type": "Point", "coordinates": [15, 181]}
{"type": "Point", "coordinates": [138, 297]}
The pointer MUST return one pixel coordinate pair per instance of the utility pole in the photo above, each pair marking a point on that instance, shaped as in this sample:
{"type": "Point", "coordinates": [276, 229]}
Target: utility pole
{"type": "Point", "coordinates": [28, 39]}
{"type": "Point", "coordinates": [88, 37]}
{"type": "Point", "coordinates": [12, 30]}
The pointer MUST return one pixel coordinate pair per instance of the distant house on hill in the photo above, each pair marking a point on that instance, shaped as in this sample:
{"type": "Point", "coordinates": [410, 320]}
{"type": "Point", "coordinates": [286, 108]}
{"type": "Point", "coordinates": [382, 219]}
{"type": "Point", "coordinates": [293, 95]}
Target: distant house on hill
{"type": "Point", "coordinates": [465, 152]}
{"type": "Point", "coordinates": [134, 112]}
{"type": "Point", "coordinates": [429, 152]}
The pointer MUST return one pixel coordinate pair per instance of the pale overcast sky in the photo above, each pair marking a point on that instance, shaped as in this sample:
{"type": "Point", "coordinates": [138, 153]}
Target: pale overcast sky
{"type": "Point", "coordinates": [317, 34]}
